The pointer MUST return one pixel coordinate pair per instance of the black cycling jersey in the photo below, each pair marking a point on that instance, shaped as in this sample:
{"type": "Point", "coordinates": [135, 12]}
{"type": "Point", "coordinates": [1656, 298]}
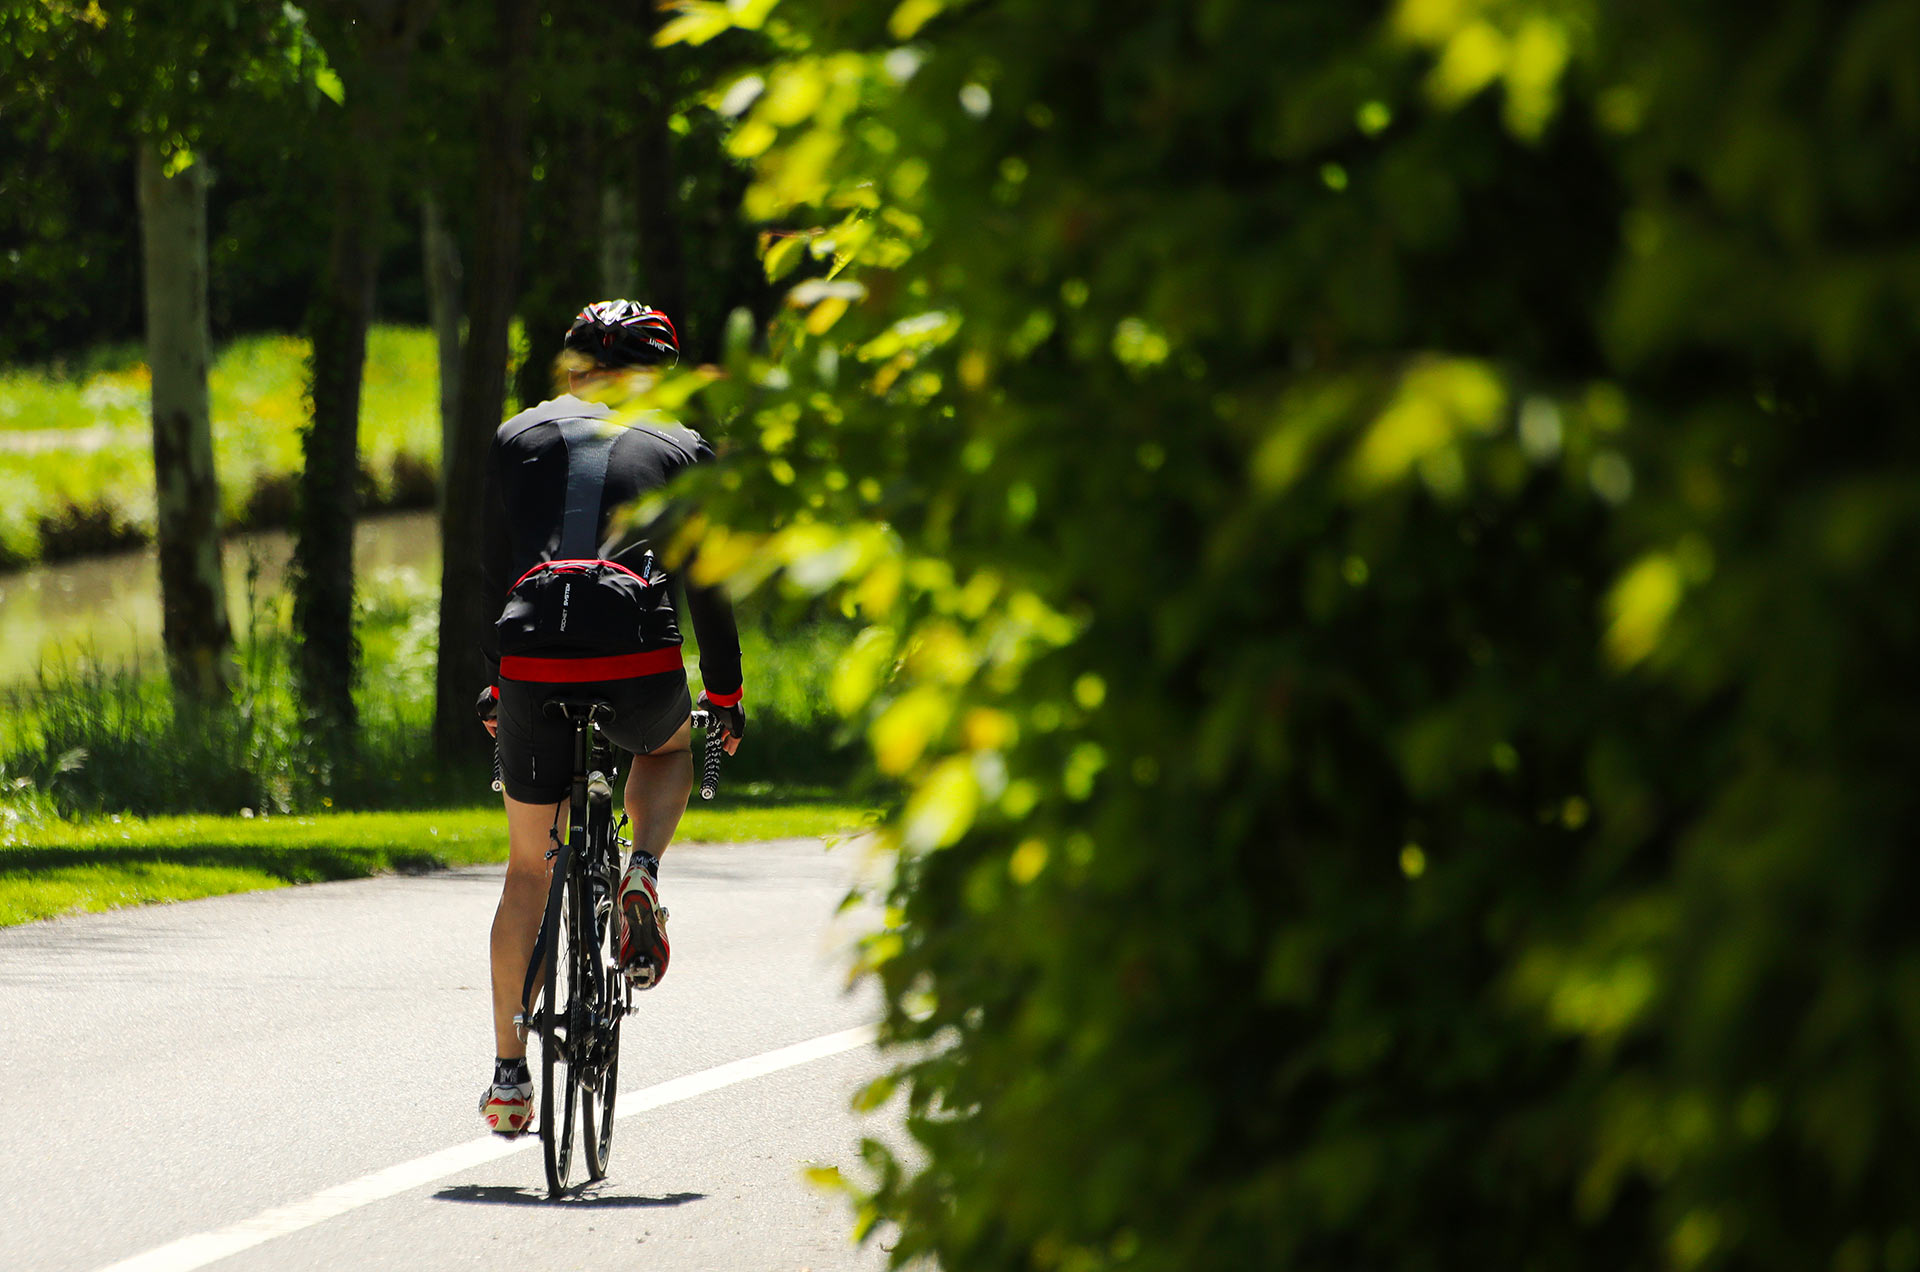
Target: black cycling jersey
{"type": "Point", "coordinates": [525, 501]}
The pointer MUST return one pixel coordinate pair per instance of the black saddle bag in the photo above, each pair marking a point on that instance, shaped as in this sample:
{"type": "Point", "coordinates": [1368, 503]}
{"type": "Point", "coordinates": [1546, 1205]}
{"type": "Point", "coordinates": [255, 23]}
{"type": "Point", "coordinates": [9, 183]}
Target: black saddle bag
{"type": "Point", "coordinates": [587, 607]}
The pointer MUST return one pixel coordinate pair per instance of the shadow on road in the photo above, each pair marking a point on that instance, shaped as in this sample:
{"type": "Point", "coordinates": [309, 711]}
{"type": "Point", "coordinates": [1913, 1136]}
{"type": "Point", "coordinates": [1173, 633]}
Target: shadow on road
{"type": "Point", "coordinates": [584, 1197]}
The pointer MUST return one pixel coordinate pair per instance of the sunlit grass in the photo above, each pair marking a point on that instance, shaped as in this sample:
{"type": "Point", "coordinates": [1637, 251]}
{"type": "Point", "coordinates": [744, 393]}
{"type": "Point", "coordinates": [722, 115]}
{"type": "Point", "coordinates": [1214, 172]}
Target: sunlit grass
{"type": "Point", "coordinates": [95, 486]}
{"type": "Point", "coordinates": [53, 868]}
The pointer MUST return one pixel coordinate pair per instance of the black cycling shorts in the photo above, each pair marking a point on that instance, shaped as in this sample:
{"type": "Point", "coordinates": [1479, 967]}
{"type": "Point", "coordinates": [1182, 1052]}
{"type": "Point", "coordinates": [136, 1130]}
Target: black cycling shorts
{"type": "Point", "coordinates": [536, 750]}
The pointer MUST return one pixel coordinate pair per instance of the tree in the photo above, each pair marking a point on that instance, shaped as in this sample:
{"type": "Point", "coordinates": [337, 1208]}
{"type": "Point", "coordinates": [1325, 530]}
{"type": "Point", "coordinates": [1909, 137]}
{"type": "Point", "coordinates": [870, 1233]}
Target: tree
{"type": "Point", "coordinates": [78, 70]}
{"type": "Point", "coordinates": [173, 224]}
{"type": "Point", "coordinates": [370, 43]}
{"type": "Point", "coordinates": [1388, 549]}
{"type": "Point", "coordinates": [440, 254]}
{"type": "Point", "coordinates": [499, 204]}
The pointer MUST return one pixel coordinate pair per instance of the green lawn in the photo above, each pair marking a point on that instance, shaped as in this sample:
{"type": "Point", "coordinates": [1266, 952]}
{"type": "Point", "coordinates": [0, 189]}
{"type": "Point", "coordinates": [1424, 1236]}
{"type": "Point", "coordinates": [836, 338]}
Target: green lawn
{"type": "Point", "coordinates": [76, 462]}
{"type": "Point", "coordinates": [56, 867]}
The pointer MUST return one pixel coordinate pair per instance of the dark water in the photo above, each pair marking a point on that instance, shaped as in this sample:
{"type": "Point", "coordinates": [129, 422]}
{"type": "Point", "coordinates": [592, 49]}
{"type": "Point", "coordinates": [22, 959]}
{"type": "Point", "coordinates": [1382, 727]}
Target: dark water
{"type": "Point", "coordinates": [107, 609]}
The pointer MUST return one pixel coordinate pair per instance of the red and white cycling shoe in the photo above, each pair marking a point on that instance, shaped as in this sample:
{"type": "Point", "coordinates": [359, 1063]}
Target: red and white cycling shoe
{"type": "Point", "coordinates": [507, 1108]}
{"type": "Point", "coordinates": [643, 944]}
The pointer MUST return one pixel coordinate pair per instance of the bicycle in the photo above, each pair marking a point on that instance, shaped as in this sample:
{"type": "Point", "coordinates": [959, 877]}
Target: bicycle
{"type": "Point", "coordinates": [580, 929]}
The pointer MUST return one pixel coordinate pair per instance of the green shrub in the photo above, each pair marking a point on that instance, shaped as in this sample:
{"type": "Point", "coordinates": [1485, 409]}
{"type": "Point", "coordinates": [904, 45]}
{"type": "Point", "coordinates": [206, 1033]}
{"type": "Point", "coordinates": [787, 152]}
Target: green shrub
{"type": "Point", "coordinates": [1388, 541]}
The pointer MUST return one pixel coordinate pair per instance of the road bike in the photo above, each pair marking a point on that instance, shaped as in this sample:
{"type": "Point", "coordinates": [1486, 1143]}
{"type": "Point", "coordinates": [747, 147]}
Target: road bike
{"type": "Point", "coordinates": [575, 996]}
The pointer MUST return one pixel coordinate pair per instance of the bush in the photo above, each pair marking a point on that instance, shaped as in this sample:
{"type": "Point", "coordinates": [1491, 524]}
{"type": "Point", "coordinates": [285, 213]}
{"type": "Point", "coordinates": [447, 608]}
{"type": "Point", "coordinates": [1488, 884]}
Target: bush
{"type": "Point", "coordinates": [1388, 548]}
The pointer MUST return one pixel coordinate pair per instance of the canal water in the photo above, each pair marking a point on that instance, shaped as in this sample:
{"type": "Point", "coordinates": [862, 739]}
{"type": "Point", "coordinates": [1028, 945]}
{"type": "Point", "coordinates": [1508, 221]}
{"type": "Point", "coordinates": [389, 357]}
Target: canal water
{"type": "Point", "coordinates": [106, 610]}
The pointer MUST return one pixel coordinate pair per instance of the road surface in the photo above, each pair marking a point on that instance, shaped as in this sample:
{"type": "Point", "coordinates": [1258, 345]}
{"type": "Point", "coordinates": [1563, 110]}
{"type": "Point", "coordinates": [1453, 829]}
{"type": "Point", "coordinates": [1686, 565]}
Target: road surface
{"type": "Point", "coordinates": [288, 1079]}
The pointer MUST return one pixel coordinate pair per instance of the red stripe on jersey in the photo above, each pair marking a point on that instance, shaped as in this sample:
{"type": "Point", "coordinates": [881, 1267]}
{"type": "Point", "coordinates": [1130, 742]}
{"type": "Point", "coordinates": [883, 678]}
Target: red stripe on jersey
{"type": "Point", "coordinates": [562, 671]}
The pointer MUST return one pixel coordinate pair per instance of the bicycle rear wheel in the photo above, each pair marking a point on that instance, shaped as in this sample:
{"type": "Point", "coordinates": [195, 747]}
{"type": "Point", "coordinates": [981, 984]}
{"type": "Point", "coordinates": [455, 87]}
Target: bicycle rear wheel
{"type": "Point", "coordinates": [600, 969]}
{"type": "Point", "coordinates": [560, 1036]}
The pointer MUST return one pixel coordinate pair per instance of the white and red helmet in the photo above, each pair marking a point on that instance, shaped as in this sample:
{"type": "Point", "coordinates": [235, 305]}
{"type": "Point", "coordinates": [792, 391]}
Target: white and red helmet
{"type": "Point", "coordinates": [624, 333]}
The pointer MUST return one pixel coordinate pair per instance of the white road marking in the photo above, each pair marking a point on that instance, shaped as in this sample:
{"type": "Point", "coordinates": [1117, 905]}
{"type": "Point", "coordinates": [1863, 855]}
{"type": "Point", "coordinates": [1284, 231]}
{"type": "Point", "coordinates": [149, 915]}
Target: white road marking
{"type": "Point", "coordinates": [203, 1248]}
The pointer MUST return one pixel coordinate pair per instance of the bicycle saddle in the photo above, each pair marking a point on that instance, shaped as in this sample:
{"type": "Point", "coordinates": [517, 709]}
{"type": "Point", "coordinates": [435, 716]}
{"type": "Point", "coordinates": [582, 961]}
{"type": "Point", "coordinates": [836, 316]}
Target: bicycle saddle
{"type": "Point", "coordinates": [580, 710]}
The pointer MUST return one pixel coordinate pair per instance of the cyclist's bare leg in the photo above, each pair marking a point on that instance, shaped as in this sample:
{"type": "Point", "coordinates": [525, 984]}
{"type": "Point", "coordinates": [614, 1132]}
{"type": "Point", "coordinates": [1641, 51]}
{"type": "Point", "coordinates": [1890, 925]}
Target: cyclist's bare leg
{"type": "Point", "coordinates": [516, 924]}
{"type": "Point", "coordinates": [658, 784]}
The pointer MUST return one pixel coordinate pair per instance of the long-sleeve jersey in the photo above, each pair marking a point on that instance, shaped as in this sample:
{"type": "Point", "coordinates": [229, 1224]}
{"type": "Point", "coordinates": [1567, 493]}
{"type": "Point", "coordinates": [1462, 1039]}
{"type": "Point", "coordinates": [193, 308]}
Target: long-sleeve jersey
{"type": "Point", "coordinates": [525, 502]}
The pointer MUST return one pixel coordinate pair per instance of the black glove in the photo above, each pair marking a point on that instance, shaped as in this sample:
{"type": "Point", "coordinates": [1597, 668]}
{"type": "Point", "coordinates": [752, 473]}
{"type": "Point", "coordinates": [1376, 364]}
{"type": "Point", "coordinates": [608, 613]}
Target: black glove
{"type": "Point", "coordinates": [732, 720]}
{"type": "Point", "coordinates": [486, 706]}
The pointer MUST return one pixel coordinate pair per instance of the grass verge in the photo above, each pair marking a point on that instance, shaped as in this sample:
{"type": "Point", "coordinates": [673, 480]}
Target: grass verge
{"type": "Point", "coordinates": [56, 867]}
{"type": "Point", "coordinates": [76, 459]}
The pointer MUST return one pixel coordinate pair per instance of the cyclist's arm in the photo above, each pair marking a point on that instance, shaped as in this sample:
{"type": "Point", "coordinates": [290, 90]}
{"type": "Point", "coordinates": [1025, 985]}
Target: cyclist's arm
{"type": "Point", "coordinates": [719, 636]}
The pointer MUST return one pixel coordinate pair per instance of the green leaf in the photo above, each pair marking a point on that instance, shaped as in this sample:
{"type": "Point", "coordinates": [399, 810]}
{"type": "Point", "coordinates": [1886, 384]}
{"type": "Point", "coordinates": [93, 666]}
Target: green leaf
{"type": "Point", "coordinates": [827, 1179]}
{"type": "Point", "coordinates": [914, 332]}
{"type": "Point", "coordinates": [784, 255]}
{"type": "Point", "coordinates": [696, 24]}
{"type": "Point", "coordinates": [751, 15]}
{"type": "Point", "coordinates": [911, 16]}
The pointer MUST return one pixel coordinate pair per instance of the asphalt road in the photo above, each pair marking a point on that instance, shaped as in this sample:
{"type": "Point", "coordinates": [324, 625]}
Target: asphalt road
{"type": "Point", "coordinates": [288, 1080]}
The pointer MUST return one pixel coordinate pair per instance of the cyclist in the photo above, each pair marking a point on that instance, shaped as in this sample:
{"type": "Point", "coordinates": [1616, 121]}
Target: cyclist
{"type": "Point", "coordinates": [588, 616]}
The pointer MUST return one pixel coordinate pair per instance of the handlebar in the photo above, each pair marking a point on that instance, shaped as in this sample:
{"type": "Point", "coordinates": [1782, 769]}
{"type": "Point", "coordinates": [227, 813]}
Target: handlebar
{"type": "Point", "coordinates": [711, 753]}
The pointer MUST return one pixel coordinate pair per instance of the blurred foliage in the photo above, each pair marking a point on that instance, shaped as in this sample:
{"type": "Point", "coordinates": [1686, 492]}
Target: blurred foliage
{"type": "Point", "coordinates": [1385, 540]}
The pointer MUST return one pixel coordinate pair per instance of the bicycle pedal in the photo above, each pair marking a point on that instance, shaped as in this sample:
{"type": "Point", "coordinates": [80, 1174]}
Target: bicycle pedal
{"type": "Point", "coordinates": [521, 1025]}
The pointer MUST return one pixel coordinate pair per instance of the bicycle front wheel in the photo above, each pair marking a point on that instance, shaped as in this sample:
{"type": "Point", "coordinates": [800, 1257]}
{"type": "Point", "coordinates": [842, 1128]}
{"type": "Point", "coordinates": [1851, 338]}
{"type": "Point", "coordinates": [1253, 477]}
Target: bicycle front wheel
{"type": "Point", "coordinates": [560, 1037]}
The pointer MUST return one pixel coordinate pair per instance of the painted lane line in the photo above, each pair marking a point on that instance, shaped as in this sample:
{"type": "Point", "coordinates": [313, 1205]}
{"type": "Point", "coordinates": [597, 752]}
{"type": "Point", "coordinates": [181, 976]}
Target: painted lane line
{"type": "Point", "coordinates": [203, 1248]}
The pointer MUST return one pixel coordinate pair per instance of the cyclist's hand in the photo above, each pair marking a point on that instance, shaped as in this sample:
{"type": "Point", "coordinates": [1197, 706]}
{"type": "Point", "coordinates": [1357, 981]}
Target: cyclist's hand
{"type": "Point", "coordinates": [731, 721]}
{"type": "Point", "coordinates": [487, 707]}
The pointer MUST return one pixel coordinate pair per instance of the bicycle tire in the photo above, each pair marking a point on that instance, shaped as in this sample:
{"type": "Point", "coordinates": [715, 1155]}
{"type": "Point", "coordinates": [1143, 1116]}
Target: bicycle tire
{"type": "Point", "coordinates": [600, 907]}
{"type": "Point", "coordinates": [559, 1076]}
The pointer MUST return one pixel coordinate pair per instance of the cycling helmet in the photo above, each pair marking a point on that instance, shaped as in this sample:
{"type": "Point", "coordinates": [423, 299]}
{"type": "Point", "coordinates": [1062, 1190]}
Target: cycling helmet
{"type": "Point", "coordinates": [622, 333]}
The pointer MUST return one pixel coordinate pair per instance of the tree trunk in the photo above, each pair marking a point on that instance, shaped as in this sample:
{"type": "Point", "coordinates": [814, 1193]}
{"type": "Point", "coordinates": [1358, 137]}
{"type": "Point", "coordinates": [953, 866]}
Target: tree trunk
{"type": "Point", "coordinates": [374, 70]}
{"type": "Point", "coordinates": [619, 241]}
{"type": "Point", "coordinates": [663, 268]}
{"type": "Point", "coordinates": [569, 274]}
{"type": "Point", "coordinates": [500, 215]}
{"type": "Point", "coordinates": [193, 596]}
{"type": "Point", "coordinates": [442, 257]}
{"type": "Point", "coordinates": [323, 557]}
